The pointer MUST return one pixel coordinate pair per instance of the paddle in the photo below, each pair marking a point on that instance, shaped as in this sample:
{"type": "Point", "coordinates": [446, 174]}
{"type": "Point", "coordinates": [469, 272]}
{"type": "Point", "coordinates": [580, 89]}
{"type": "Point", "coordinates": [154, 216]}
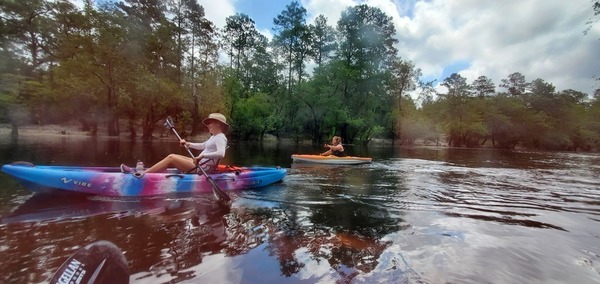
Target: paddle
{"type": "Point", "coordinates": [220, 195]}
{"type": "Point", "coordinates": [98, 262]}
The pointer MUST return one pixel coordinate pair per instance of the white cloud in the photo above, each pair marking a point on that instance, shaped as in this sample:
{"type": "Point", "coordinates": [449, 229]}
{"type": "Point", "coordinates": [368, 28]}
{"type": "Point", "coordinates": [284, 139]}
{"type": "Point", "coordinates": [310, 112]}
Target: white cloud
{"type": "Point", "coordinates": [331, 9]}
{"type": "Point", "coordinates": [266, 32]}
{"type": "Point", "coordinates": [217, 11]}
{"type": "Point", "coordinates": [538, 38]}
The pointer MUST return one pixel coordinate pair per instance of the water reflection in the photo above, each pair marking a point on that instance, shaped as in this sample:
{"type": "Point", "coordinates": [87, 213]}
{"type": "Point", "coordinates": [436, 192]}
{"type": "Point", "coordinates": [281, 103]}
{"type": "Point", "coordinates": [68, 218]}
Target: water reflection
{"type": "Point", "coordinates": [415, 215]}
{"type": "Point", "coordinates": [164, 238]}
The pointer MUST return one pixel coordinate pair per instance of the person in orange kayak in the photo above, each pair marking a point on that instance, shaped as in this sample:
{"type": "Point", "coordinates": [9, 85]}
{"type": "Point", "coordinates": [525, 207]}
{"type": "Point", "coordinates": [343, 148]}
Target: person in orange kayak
{"type": "Point", "coordinates": [335, 148]}
{"type": "Point", "coordinates": [213, 150]}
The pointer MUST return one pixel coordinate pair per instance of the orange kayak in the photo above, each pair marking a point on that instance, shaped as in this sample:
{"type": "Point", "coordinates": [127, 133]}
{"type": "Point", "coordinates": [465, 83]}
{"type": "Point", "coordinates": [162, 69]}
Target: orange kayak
{"type": "Point", "coordinates": [332, 160]}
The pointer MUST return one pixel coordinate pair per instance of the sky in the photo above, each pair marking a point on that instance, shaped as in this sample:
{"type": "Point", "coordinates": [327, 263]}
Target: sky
{"type": "Point", "coordinates": [537, 38]}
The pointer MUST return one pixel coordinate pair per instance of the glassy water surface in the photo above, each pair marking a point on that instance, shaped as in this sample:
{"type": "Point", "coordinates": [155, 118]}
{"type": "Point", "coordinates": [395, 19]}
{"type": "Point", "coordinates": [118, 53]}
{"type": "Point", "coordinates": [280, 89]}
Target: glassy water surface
{"type": "Point", "coordinates": [415, 215]}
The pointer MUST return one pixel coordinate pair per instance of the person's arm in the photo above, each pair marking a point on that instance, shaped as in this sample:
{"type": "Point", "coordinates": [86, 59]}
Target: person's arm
{"type": "Point", "coordinates": [196, 146]}
{"type": "Point", "coordinates": [337, 147]}
{"type": "Point", "coordinates": [220, 144]}
{"type": "Point", "coordinates": [328, 152]}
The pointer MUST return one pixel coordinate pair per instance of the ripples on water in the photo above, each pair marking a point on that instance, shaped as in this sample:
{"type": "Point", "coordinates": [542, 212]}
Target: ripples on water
{"type": "Point", "coordinates": [426, 216]}
{"type": "Point", "coordinates": [459, 223]}
{"type": "Point", "coordinates": [534, 222]}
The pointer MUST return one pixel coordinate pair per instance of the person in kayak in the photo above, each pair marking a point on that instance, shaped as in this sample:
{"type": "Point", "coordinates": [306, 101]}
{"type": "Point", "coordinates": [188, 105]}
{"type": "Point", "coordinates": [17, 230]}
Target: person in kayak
{"type": "Point", "coordinates": [335, 148]}
{"type": "Point", "coordinates": [213, 150]}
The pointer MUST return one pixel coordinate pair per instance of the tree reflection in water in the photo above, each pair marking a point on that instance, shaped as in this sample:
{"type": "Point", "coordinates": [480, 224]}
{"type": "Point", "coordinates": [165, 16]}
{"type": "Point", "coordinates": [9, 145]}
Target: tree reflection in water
{"type": "Point", "coordinates": [213, 230]}
{"type": "Point", "coordinates": [166, 238]}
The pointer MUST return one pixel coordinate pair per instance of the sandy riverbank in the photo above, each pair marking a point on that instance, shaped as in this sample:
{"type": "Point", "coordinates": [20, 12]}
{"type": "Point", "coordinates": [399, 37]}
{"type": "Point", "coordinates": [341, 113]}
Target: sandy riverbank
{"type": "Point", "coordinates": [52, 130]}
{"type": "Point", "coordinates": [73, 131]}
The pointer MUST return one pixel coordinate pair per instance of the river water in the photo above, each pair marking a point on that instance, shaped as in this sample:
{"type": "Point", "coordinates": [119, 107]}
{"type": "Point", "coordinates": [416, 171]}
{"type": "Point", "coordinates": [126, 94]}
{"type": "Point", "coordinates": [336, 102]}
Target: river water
{"type": "Point", "coordinates": [415, 215]}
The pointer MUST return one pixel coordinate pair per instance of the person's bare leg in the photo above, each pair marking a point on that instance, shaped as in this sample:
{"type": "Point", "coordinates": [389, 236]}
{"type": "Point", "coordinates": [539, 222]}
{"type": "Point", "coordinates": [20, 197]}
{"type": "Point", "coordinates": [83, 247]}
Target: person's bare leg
{"type": "Point", "coordinates": [182, 163]}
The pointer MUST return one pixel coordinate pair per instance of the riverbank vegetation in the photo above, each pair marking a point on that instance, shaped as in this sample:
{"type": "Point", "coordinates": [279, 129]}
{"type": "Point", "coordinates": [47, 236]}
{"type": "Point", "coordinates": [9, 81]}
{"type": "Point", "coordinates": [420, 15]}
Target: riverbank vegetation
{"type": "Point", "coordinates": [123, 67]}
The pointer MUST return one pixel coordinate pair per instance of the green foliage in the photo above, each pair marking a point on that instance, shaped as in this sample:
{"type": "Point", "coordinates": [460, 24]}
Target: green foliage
{"type": "Point", "coordinates": [515, 83]}
{"type": "Point", "coordinates": [239, 35]}
{"type": "Point", "coordinates": [366, 51]}
{"type": "Point", "coordinates": [232, 86]}
{"type": "Point", "coordinates": [592, 123]}
{"type": "Point", "coordinates": [254, 116]}
{"type": "Point", "coordinates": [12, 108]}
{"type": "Point", "coordinates": [323, 40]}
{"type": "Point", "coordinates": [293, 39]}
{"type": "Point", "coordinates": [504, 117]}
{"type": "Point", "coordinates": [139, 61]}
{"type": "Point", "coordinates": [483, 86]}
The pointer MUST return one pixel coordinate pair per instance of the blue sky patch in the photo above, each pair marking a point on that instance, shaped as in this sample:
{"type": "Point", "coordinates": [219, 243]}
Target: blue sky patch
{"type": "Point", "coordinates": [262, 11]}
{"type": "Point", "coordinates": [454, 67]}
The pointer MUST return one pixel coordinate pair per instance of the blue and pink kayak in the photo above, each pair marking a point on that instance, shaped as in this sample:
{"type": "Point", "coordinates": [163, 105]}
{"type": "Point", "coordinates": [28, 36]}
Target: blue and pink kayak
{"type": "Point", "coordinates": [109, 181]}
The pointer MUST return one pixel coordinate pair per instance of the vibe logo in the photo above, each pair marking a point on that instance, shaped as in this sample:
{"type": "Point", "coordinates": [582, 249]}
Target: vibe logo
{"type": "Point", "coordinates": [76, 182]}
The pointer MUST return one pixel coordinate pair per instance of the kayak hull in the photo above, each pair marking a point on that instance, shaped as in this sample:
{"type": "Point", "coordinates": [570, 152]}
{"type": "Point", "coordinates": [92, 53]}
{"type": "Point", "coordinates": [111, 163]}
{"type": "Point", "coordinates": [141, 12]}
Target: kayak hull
{"type": "Point", "coordinates": [109, 181]}
{"type": "Point", "coordinates": [331, 160]}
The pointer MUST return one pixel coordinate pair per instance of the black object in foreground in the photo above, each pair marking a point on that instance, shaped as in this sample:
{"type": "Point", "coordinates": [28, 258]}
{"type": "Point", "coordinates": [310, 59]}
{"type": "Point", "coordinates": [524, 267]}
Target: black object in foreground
{"type": "Point", "coordinates": [98, 262]}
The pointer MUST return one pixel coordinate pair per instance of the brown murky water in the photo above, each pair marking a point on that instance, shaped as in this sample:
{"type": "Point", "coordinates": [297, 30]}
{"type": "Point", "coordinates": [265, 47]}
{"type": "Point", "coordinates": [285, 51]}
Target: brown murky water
{"type": "Point", "coordinates": [420, 215]}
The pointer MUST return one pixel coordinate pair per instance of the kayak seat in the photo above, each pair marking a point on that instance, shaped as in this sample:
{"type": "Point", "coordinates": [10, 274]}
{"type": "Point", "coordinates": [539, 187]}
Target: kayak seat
{"type": "Point", "coordinates": [209, 169]}
{"type": "Point", "coordinates": [229, 169]}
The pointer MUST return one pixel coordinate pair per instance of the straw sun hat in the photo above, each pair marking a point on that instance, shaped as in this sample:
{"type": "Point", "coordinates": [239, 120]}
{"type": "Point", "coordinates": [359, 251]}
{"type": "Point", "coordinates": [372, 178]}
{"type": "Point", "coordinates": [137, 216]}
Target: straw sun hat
{"type": "Point", "coordinates": [215, 116]}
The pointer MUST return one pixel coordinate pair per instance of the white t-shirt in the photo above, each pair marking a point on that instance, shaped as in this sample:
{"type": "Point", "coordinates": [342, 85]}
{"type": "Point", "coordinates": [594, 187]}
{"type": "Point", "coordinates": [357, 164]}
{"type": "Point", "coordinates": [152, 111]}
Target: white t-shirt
{"type": "Point", "coordinates": [212, 149]}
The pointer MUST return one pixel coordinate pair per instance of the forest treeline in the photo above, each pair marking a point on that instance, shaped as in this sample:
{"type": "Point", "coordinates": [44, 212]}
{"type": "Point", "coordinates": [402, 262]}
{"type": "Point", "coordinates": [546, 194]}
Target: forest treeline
{"type": "Point", "coordinates": [124, 66]}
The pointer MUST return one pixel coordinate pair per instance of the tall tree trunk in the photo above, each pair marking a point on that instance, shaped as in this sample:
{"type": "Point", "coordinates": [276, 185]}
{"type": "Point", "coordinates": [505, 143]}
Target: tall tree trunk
{"type": "Point", "coordinates": [196, 119]}
{"type": "Point", "coordinates": [195, 108]}
{"type": "Point", "coordinates": [14, 133]}
{"type": "Point", "coordinates": [131, 126]}
{"type": "Point", "coordinates": [148, 126]}
{"type": "Point", "coordinates": [113, 120]}
{"type": "Point", "coordinates": [113, 125]}
{"type": "Point", "coordinates": [344, 133]}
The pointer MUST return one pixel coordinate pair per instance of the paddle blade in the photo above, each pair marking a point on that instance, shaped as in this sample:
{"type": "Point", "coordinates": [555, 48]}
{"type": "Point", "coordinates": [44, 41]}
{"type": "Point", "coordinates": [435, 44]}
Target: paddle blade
{"type": "Point", "coordinates": [98, 262]}
{"type": "Point", "coordinates": [220, 195]}
{"type": "Point", "coordinates": [169, 123]}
